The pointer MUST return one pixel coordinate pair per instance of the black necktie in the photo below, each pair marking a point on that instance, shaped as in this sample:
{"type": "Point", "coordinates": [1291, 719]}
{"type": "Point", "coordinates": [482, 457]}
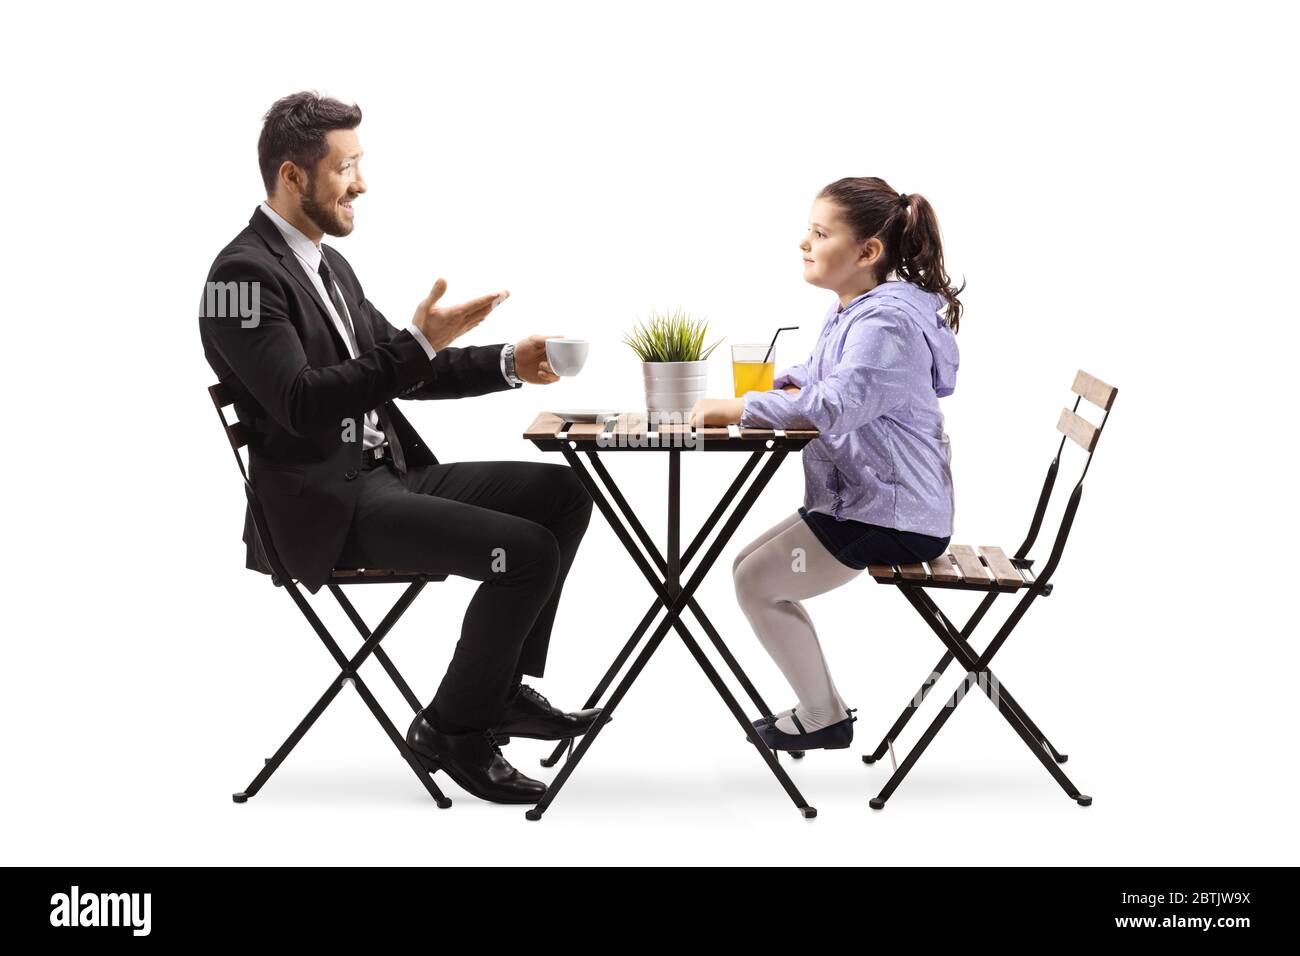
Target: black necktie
{"type": "Point", "coordinates": [340, 306]}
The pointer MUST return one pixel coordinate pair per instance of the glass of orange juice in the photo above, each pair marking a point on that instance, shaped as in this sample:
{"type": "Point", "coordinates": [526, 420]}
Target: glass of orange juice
{"type": "Point", "coordinates": [749, 371]}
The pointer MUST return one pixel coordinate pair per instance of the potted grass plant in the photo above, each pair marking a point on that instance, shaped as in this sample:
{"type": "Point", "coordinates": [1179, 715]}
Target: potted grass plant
{"type": "Point", "coordinates": [674, 361]}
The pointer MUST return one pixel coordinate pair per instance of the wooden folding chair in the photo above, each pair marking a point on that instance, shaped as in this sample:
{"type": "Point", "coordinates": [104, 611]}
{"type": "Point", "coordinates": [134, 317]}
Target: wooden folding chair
{"type": "Point", "coordinates": [989, 570]}
{"type": "Point", "coordinates": [238, 434]}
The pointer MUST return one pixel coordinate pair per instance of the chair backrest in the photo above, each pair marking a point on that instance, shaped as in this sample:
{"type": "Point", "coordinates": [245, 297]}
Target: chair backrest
{"type": "Point", "coordinates": [1083, 433]}
{"type": "Point", "coordinates": [239, 435]}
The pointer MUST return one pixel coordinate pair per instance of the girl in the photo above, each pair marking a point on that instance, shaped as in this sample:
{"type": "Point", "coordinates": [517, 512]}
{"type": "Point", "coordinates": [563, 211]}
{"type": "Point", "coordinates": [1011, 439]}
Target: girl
{"type": "Point", "coordinates": [878, 482]}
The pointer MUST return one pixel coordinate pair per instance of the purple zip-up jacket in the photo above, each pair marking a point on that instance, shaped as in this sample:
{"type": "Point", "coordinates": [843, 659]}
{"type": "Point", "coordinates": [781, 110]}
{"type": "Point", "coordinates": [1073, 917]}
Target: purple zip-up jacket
{"type": "Point", "coordinates": [872, 387]}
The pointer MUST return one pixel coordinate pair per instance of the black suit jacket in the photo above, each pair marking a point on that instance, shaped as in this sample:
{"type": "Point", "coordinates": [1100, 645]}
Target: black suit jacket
{"type": "Point", "coordinates": [298, 390]}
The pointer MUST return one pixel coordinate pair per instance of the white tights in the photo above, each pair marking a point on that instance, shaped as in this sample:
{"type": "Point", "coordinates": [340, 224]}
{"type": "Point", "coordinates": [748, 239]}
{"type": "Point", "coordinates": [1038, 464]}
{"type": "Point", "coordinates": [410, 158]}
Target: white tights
{"type": "Point", "coordinates": [772, 574]}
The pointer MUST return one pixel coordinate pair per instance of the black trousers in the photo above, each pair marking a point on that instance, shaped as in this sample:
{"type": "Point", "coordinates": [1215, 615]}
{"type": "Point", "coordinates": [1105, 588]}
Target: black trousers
{"type": "Point", "coordinates": [513, 525]}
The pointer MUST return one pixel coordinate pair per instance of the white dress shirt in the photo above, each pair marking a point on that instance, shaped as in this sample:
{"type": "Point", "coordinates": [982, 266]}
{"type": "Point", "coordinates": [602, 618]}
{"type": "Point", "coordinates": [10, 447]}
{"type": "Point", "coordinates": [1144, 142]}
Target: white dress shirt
{"type": "Point", "coordinates": [308, 255]}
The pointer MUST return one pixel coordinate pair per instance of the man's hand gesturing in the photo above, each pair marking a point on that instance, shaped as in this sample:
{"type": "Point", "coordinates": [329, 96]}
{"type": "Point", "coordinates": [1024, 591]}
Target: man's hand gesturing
{"type": "Point", "coordinates": [530, 360]}
{"type": "Point", "coordinates": [443, 325]}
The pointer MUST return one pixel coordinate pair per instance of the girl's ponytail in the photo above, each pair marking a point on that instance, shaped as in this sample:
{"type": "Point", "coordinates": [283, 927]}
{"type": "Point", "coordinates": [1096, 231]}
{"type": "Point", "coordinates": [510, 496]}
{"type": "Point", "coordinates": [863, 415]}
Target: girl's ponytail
{"type": "Point", "coordinates": [920, 254]}
{"type": "Point", "coordinates": [906, 225]}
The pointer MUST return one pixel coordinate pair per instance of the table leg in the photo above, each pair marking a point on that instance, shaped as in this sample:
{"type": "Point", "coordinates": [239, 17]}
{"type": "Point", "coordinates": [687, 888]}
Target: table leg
{"type": "Point", "coordinates": [648, 543]}
{"type": "Point", "coordinates": [751, 462]}
{"type": "Point", "coordinates": [673, 577]}
{"type": "Point", "coordinates": [675, 604]}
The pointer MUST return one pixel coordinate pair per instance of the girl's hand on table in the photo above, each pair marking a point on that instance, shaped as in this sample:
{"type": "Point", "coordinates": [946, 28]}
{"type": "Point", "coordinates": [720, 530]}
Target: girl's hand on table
{"type": "Point", "coordinates": [717, 411]}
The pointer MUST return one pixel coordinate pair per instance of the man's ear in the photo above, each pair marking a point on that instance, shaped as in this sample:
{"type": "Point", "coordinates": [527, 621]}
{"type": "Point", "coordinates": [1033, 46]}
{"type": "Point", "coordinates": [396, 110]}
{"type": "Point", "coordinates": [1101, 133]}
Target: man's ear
{"type": "Point", "coordinates": [292, 178]}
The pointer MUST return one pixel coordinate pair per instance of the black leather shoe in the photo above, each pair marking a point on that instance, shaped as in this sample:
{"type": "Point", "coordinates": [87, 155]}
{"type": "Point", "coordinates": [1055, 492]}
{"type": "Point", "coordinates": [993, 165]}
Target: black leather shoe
{"type": "Point", "coordinates": [529, 714]}
{"type": "Point", "coordinates": [474, 761]}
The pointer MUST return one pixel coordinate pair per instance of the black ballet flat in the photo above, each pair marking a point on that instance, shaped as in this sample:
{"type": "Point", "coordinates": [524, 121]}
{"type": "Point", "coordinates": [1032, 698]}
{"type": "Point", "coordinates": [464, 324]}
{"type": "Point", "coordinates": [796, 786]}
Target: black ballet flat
{"type": "Point", "coordinates": [832, 737]}
{"type": "Point", "coordinates": [768, 720]}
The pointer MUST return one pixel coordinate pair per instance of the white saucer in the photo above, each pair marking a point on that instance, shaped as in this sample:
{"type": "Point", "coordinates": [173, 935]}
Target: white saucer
{"type": "Point", "coordinates": [584, 414]}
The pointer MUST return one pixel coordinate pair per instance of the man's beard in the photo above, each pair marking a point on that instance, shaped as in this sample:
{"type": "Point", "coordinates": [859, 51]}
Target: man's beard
{"type": "Point", "coordinates": [326, 217]}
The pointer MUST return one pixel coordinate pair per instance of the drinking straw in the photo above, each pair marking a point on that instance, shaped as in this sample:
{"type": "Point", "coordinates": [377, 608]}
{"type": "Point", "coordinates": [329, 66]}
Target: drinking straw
{"type": "Point", "coordinates": [784, 328]}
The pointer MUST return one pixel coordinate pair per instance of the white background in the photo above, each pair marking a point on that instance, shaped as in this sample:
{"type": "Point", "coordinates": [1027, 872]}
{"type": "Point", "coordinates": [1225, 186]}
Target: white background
{"type": "Point", "coordinates": [1112, 182]}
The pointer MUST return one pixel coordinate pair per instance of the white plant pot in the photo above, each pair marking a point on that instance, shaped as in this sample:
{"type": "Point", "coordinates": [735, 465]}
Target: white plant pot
{"type": "Point", "coordinates": [674, 387]}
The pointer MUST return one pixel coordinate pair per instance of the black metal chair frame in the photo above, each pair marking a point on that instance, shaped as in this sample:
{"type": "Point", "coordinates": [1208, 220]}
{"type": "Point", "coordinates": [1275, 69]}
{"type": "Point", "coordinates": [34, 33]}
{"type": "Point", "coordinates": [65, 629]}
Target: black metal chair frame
{"type": "Point", "coordinates": [238, 434]}
{"type": "Point", "coordinates": [912, 581]}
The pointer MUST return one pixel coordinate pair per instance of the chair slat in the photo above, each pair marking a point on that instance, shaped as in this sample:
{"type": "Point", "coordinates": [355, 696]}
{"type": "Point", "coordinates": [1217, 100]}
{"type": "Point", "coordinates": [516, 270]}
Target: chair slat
{"type": "Point", "coordinates": [1094, 390]}
{"type": "Point", "coordinates": [544, 425]}
{"type": "Point", "coordinates": [757, 433]}
{"type": "Point", "coordinates": [942, 568]}
{"type": "Point", "coordinates": [881, 571]}
{"type": "Point", "coordinates": [1081, 431]}
{"type": "Point", "coordinates": [969, 562]}
{"type": "Point", "coordinates": [713, 433]}
{"type": "Point", "coordinates": [1004, 572]}
{"type": "Point", "coordinates": [913, 572]}
{"type": "Point", "coordinates": [221, 394]}
{"type": "Point", "coordinates": [379, 573]}
{"type": "Point", "coordinates": [238, 434]}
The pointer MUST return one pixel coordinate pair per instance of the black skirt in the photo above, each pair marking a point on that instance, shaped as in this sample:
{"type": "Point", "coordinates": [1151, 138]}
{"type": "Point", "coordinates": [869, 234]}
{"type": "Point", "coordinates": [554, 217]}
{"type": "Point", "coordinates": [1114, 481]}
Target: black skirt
{"type": "Point", "coordinates": [857, 544]}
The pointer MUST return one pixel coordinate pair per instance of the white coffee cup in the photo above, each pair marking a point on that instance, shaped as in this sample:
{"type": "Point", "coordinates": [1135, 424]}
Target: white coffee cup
{"type": "Point", "coordinates": [566, 356]}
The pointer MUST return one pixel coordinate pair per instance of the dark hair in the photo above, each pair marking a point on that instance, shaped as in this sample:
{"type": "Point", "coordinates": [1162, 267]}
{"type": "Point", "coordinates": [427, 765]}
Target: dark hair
{"type": "Point", "coordinates": [294, 129]}
{"type": "Point", "coordinates": [906, 226]}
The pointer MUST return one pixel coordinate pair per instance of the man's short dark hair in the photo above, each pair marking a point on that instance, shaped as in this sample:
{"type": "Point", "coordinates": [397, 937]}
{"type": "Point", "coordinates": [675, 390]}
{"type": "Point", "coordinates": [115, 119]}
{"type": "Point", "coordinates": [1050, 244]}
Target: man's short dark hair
{"type": "Point", "coordinates": [294, 129]}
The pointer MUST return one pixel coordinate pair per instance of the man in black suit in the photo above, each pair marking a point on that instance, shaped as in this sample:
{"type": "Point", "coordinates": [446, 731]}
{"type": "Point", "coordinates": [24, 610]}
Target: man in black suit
{"type": "Point", "coordinates": [343, 478]}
